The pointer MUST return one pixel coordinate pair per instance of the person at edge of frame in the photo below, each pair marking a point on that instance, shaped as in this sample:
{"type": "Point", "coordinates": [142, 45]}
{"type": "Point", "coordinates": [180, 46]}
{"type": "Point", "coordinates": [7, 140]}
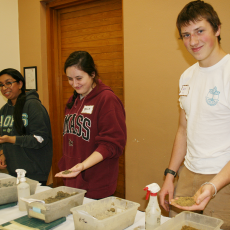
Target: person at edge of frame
{"type": "Point", "coordinates": [26, 138]}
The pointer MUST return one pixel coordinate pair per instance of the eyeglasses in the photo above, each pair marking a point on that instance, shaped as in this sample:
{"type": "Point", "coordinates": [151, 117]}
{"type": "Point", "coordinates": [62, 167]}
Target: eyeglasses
{"type": "Point", "coordinates": [7, 85]}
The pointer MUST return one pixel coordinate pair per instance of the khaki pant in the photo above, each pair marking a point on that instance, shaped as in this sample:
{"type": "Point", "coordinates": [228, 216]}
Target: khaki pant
{"type": "Point", "coordinates": [187, 185]}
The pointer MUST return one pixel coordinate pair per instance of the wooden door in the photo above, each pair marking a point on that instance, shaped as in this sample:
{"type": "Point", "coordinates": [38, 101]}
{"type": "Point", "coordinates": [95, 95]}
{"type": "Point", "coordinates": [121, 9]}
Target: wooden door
{"type": "Point", "coordinates": [93, 26]}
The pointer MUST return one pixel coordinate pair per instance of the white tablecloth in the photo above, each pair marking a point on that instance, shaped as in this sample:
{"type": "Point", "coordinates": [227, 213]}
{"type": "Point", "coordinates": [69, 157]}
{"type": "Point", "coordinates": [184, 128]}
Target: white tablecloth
{"type": "Point", "coordinates": [12, 213]}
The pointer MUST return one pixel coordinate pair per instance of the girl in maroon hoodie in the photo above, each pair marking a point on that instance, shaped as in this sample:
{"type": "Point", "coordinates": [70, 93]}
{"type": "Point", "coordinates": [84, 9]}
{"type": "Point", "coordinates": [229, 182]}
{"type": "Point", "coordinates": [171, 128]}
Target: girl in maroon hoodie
{"type": "Point", "coordinates": [94, 134]}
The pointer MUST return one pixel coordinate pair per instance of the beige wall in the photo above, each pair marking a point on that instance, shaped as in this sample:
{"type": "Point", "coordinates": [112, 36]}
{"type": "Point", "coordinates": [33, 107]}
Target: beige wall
{"type": "Point", "coordinates": [154, 60]}
{"type": "Point", "coordinates": [33, 49]}
{"type": "Point", "coordinates": [32, 39]}
{"type": "Point", "coordinates": [9, 39]}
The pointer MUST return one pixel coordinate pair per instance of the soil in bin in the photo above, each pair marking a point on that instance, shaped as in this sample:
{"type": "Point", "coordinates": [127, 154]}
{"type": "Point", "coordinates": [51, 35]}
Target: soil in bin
{"type": "Point", "coordinates": [106, 214]}
{"type": "Point", "coordinates": [9, 184]}
{"type": "Point", "coordinates": [185, 227]}
{"type": "Point", "coordinates": [60, 195]}
{"type": "Point", "coordinates": [185, 201]}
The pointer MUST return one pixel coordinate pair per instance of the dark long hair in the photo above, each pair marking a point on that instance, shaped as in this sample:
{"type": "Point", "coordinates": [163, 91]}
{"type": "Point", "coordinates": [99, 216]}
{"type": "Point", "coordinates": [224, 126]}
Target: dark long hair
{"type": "Point", "coordinates": [195, 11]}
{"type": "Point", "coordinates": [83, 61]}
{"type": "Point", "coordinates": [20, 102]}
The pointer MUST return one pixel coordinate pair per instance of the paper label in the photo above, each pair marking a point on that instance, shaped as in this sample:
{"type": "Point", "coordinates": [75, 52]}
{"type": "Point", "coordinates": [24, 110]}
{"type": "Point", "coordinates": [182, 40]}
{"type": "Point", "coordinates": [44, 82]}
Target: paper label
{"type": "Point", "coordinates": [184, 90]}
{"type": "Point", "coordinates": [38, 210]}
{"type": "Point", "coordinates": [87, 109]}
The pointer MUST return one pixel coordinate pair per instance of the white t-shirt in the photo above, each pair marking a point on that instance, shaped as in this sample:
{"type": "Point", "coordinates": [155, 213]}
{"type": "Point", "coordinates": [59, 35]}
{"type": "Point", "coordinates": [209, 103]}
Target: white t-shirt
{"type": "Point", "coordinates": [206, 102]}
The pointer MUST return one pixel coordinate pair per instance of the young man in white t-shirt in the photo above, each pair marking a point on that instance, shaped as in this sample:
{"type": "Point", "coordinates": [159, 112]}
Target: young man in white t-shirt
{"type": "Point", "coordinates": [203, 138]}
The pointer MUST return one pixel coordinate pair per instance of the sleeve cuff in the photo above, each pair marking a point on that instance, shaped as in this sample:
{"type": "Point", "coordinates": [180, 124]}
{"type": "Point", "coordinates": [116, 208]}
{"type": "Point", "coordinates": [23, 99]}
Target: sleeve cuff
{"type": "Point", "coordinates": [104, 151]}
{"type": "Point", "coordinates": [19, 140]}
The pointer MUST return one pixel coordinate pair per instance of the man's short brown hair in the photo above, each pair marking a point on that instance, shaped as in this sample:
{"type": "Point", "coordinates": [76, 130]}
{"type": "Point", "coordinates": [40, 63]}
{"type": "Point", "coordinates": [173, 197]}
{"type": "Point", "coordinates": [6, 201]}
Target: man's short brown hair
{"type": "Point", "coordinates": [196, 11]}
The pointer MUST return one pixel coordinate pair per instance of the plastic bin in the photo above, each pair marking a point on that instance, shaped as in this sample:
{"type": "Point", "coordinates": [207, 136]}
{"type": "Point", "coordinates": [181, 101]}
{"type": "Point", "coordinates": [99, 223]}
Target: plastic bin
{"type": "Point", "coordinates": [124, 216]}
{"type": "Point", "coordinates": [192, 219]}
{"type": "Point", "coordinates": [9, 194]}
{"type": "Point", "coordinates": [58, 209]}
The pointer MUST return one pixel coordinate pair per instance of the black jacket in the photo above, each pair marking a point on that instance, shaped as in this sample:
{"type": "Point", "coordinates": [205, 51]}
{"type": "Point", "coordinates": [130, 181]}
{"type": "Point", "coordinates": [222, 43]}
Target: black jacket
{"type": "Point", "coordinates": [32, 151]}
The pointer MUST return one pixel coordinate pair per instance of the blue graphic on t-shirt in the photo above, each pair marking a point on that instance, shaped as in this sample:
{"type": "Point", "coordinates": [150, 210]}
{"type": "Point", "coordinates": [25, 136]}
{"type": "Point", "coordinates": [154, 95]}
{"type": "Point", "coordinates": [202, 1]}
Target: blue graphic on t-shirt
{"type": "Point", "coordinates": [213, 97]}
{"type": "Point", "coordinates": [8, 122]}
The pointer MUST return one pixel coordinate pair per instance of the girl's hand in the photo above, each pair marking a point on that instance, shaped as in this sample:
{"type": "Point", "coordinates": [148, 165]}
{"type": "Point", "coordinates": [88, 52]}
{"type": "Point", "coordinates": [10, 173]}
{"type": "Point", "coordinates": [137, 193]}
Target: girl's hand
{"type": "Point", "coordinates": [2, 161]}
{"type": "Point", "coordinates": [74, 171]}
{"type": "Point", "coordinates": [6, 138]}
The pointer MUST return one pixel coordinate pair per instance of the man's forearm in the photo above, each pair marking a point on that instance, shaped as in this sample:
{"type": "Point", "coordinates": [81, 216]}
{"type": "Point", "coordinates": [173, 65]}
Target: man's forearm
{"type": "Point", "coordinates": [222, 178]}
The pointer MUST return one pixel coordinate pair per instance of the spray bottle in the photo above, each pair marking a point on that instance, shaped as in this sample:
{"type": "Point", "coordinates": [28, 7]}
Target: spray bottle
{"type": "Point", "coordinates": [23, 188]}
{"type": "Point", "coordinates": [153, 211]}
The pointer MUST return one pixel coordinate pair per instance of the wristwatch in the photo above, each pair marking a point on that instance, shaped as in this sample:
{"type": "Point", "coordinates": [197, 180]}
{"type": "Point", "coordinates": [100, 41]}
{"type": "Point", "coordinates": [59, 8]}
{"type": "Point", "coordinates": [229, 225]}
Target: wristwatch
{"type": "Point", "coordinates": [170, 171]}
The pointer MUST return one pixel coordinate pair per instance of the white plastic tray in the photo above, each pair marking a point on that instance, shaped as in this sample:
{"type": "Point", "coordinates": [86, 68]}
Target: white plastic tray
{"type": "Point", "coordinates": [192, 219]}
{"type": "Point", "coordinates": [9, 194]}
{"type": "Point", "coordinates": [84, 215]}
{"type": "Point", "coordinates": [58, 209]}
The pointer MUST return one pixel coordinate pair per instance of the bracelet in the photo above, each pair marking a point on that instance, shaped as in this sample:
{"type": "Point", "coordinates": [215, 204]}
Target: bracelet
{"type": "Point", "coordinates": [170, 171]}
{"type": "Point", "coordinates": [212, 185]}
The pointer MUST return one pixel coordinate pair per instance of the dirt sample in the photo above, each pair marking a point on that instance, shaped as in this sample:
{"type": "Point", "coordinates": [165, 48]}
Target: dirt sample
{"type": "Point", "coordinates": [66, 172]}
{"type": "Point", "coordinates": [9, 184]}
{"type": "Point", "coordinates": [60, 195]}
{"type": "Point", "coordinates": [106, 214]}
{"type": "Point", "coordinates": [185, 201]}
{"type": "Point", "coordinates": [186, 227]}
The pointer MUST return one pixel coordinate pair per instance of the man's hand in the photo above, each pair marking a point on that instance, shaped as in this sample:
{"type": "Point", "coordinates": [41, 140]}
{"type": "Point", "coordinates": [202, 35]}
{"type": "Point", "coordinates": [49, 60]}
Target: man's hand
{"type": "Point", "coordinates": [202, 197]}
{"type": "Point", "coordinates": [167, 189]}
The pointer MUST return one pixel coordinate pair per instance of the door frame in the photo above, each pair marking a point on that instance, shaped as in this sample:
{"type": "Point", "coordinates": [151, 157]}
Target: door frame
{"type": "Point", "coordinates": [55, 77]}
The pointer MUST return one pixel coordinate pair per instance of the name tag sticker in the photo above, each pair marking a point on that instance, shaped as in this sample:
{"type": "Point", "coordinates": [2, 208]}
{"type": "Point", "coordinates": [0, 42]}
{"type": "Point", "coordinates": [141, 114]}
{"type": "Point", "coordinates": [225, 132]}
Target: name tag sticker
{"type": "Point", "coordinates": [87, 109]}
{"type": "Point", "coordinates": [184, 90]}
{"type": "Point", "coordinates": [38, 210]}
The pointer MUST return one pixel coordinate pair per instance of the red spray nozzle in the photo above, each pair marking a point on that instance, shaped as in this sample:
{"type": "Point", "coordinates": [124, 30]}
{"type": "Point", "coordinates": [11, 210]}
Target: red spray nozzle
{"type": "Point", "coordinates": [149, 193]}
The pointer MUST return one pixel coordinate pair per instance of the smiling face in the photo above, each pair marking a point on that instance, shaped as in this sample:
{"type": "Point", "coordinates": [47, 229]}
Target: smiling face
{"type": "Point", "coordinates": [201, 41]}
{"type": "Point", "coordinates": [81, 81]}
{"type": "Point", "coordinates": [13, 91]}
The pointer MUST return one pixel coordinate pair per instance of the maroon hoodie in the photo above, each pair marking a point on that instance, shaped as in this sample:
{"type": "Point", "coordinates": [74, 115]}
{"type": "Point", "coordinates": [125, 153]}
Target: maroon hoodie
{"type": "Point", "coordinates": [94, 123]}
